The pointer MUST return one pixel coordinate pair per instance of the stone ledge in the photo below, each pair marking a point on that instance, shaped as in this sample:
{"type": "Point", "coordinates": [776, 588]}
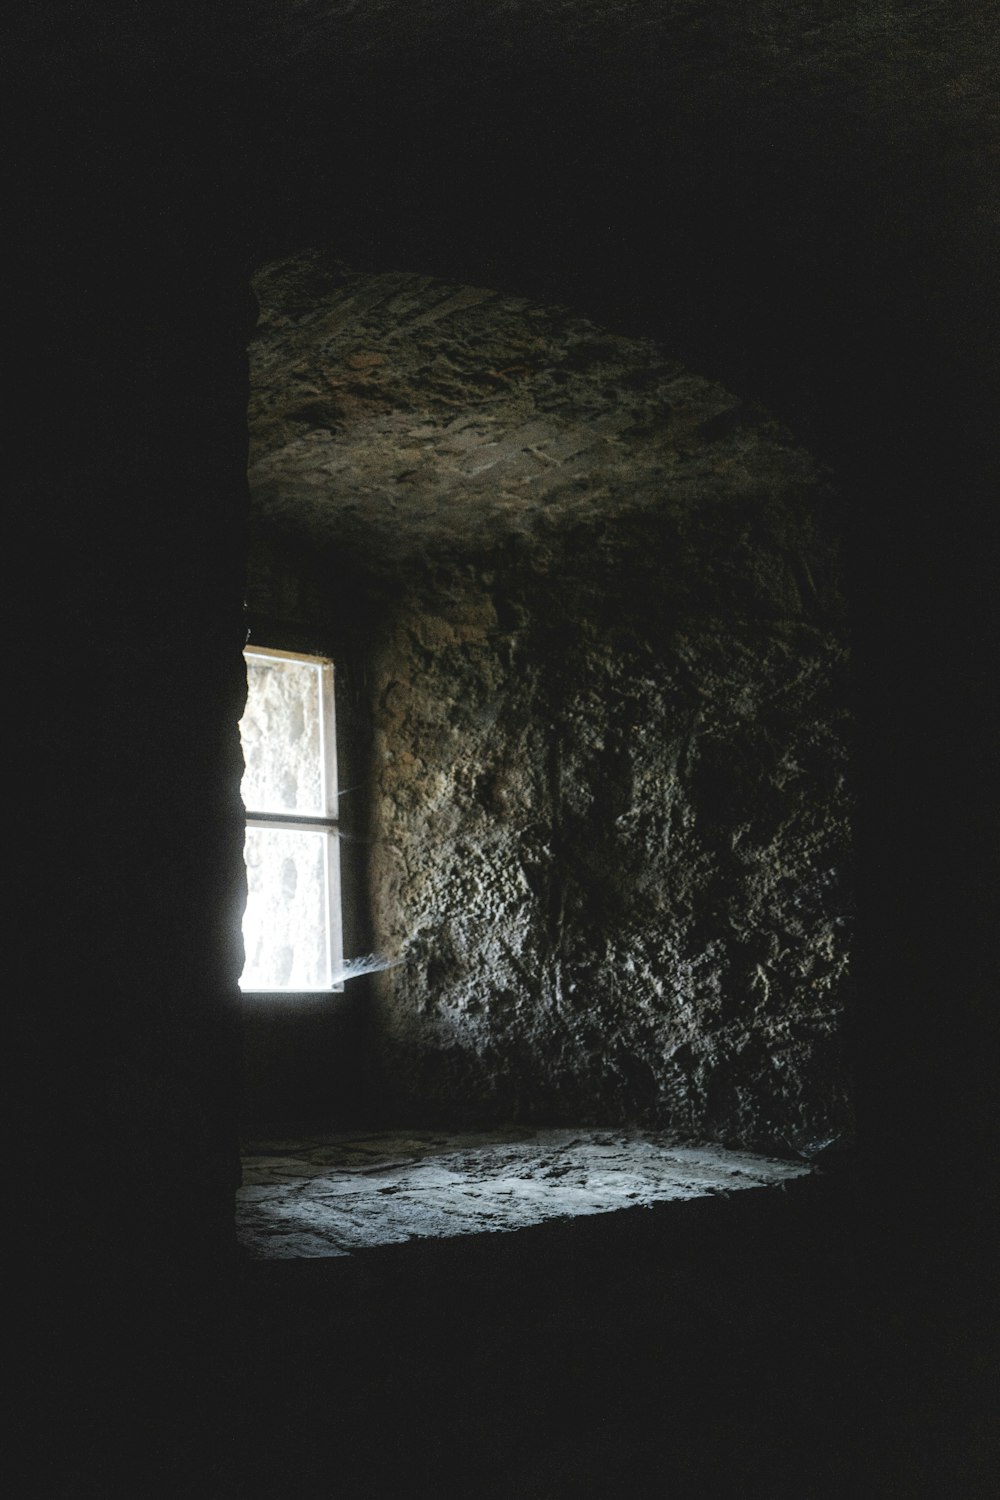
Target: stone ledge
{"type": "Point", "coordinates": [331, 1195]}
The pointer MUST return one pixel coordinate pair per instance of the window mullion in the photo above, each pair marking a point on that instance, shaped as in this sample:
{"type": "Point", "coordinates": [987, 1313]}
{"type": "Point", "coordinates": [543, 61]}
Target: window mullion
{"type": "Point", "coordinates": [290, 820]}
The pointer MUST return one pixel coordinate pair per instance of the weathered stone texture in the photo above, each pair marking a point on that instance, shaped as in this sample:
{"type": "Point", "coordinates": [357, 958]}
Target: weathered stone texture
{"type": "Point", "coordinates": [608, 810]}
{"type": "Point", "coordinates": [610, 850]}
{"type": "Point", "coordinates": [335, 1195]}
{"type": "Point", "coordinates": [396, 416]}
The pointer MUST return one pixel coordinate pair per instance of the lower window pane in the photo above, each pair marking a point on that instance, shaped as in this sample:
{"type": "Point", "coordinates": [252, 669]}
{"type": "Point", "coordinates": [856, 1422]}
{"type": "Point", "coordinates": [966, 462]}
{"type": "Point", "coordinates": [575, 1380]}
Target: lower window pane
{"type": "Point", "coordinates": [285, 924]}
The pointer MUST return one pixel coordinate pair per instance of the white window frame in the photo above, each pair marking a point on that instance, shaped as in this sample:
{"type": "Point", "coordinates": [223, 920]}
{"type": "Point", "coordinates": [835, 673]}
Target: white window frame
{"type": "Point", "coordinates": [327, 824]}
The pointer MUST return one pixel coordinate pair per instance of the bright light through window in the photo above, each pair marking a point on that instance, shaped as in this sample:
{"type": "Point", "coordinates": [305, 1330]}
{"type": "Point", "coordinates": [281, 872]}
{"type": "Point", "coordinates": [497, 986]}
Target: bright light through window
{"type": "Point", "coordinates": [291, 928]}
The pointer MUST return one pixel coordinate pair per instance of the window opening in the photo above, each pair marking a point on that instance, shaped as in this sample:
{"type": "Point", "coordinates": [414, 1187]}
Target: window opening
{"type": "Point", "coordinates": [292, 924]}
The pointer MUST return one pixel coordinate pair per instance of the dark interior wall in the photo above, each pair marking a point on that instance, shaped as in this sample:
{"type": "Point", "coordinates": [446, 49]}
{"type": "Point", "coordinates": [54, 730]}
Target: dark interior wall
{"type": "Point", "coordinates": [126, 606]}
{"type": "Point", "coordinates": [610, 838]}
{"type": "Point", "coordinates": [127, 317]}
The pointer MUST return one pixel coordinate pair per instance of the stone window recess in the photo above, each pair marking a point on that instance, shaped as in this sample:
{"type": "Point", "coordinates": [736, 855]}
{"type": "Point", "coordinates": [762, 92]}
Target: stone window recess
{"type": "Point", "coordinates": [292, 923]}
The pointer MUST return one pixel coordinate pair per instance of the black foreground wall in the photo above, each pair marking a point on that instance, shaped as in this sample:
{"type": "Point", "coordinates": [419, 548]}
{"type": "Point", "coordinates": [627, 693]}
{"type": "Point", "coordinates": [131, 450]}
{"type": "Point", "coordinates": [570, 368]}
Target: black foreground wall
{"type": "Point", "coordinates": [127, 316]}
{"type": "Point", "coordinates": [806, 196]}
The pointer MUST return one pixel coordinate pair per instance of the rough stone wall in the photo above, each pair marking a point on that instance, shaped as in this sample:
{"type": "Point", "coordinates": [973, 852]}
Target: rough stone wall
{"type": "Point", "coordinates": [611, 830]}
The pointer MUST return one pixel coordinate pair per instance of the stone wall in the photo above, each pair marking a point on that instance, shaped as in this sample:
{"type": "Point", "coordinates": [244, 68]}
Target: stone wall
{"type": "Point", "coordinates": [611, 827]}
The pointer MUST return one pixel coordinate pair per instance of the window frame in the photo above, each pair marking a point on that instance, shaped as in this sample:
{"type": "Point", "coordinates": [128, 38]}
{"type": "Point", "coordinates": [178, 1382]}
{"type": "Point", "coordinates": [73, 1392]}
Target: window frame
{"type": "Point", "coordinates": [328, 824]}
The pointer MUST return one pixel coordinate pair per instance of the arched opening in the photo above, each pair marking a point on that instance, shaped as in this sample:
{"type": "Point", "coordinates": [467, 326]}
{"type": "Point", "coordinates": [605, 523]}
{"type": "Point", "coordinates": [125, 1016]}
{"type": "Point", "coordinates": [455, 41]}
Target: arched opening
{"type": "Point", "coordinates": [589, 618]}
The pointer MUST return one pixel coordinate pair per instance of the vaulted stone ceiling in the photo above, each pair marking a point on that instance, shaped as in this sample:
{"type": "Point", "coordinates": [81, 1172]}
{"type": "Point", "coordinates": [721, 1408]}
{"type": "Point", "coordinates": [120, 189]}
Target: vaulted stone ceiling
{"type": "Point", "coordinates": [784, 190]}
{"type": "Point", "coordinates": [779, 192]}
{"type": "Point", "coordinates": [401, 418]}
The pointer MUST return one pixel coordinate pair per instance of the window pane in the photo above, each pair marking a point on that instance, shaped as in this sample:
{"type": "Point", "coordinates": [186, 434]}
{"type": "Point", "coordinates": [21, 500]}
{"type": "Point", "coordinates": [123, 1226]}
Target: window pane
{"type": "Point", "coordinates": [285, 924]}
{"type": "Point", "coordinates": [281, 734]}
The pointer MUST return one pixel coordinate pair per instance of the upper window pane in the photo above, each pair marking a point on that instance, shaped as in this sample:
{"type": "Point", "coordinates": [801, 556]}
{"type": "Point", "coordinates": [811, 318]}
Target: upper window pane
{"type": "Point", "coordinates": [282, 733]}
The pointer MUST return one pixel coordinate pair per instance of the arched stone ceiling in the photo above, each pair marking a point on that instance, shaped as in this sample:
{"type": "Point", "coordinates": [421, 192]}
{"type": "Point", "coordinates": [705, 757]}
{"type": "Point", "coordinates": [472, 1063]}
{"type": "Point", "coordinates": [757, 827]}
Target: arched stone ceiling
{"type": "Point", "coordinates": [399, 418]}
{"type": "Point", "coordinates": [797, 196]}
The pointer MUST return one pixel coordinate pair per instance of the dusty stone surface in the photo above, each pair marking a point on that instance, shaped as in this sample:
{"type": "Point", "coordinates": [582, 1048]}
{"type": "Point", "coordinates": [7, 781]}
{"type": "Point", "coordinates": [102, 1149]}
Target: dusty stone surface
{"type": "Point", "coordinates": [399, 418]}
{"type": "Point", "coordinates": [603, 665]}
{"type": "Point", "coordinates": [610, 838]}
{"type": "Point", "coordinates": [335, 1195]}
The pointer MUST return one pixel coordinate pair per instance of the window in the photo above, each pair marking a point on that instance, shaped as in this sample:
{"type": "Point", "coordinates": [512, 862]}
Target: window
{"type": "Point", "coordinates": [291, 928]}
